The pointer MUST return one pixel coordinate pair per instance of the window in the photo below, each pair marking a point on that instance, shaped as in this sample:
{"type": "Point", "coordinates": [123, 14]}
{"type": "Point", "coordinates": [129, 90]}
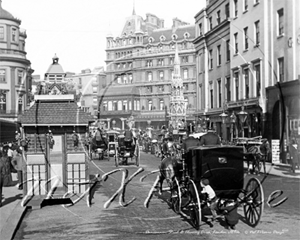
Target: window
{"type": "Point", "coordinates": [211, 98]}
{"type": "Point", "coordinates": [20, 104]}
{"type": "Point", "coordinates": [218, 17]}
{"type": "Point", "coordinates": [257, 77]}
{"type": "Point", "coordinates": [219, 55]}
{"type": "Point", "coordinates": [20, 77]}
{"type": "Point", "coordinates": [236, 81]}
{"type": "Point", "coordinates": [246, 38]}
{"type": "Point", "coordinates": [280, 22]}
{"type": "Point", "coordinates": [149, 89]}
{"type": "Point", "coordinates": [2, 75]}
{"type": "Point", "coordinates": [200, 29]}
{"type": "Point", "coordinates": [95, 101]}
{"type": "Point", "coordinates": [95, 89]}
{"type": "Point", "coordinates": [185, 59]}
{"type": "Point", "coordinates": [161, 104]}
{"type": "Point", "coordinates": [119, 80]}
{"type": "Point", "coordinates": [110, 108]}
{"type": "Point", "coordinates": [236, 44]}
{"type": "Point", "coordinates": [235, 7]}
{"type": "Point", "coordinates": [105, 106]}
{"type": "Point", "coordinates": [210, 24]}
{"type": "Point", "coordinates": [3, 103]}
{"type": "Point", "coordinates": [137, 105]}
{"type": "Point", "coordinates": [161, 88]}
{"type": "Point", "coordinates": [171, 61]}
{"type": "Point", "coordinates": [210, 59]}
{"type": "Point", "coordinates": [2, 33]}
{"type": "Point", "coordinates": [161, 75]}
{"type": "Point", "coordinates": [228, 86]}
{"type": "Point", "coordinates": [130, 78]}
{"type": "Point", "coordinates": [228, 50]}
{"type": "Point", "coordinates": [281, 69]}
{"type": "Point", "coordinates": [185, 86]}
{"type": "Point", "coordinates": [115, 106]}
{"type": "Point", "coordinates": [149, 63]}
{"type": "Point", "coordinates": [160, 62]}
{"type": "Point", "coordinates": [149, 76]}
{"type": "Point", "coordinates": [245, 5]}
{"type": "Point", "coordinates": [185, 73]}
{"type": "Point", "coordinates": [124, 65]}
{"type": "Point", "coordinates": [227, 13]}
{"type": "Point", "coordinates": [246, 80]}
{"type": "Point", "coordinates": [150, 107]}
{"type": "Point", "coordinates": [120, 107]}
{"type": "Point", "coordinates": [257, 33]}
{"type": "Point", "coordinates": [125, 79]}
{"type": "Point", "coordinates": [129, 105]}
{"type": "Point", "coordinates": [13, 34]}
{"type": "Point", "coordinates": [220, 93]}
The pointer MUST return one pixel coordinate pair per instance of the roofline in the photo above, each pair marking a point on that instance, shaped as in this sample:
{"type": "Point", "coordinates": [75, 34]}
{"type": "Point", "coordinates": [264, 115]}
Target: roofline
{"type": "Point", "coordinates": [57, 124]}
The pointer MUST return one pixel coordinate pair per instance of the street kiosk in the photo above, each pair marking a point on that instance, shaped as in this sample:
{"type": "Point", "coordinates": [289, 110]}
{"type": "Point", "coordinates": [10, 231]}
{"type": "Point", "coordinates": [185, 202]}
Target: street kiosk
{"type": "Point", "coordinates": [55, 157]}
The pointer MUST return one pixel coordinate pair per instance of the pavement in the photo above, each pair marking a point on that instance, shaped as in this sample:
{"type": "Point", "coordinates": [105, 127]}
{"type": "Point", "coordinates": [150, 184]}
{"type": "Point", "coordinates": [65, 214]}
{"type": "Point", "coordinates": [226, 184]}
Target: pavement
{"type": "Point", "coordinates": [12, 213]}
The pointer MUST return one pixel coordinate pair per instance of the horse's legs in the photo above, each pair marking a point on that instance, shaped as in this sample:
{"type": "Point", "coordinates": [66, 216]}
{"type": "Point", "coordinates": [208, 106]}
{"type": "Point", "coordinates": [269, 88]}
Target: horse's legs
{"type": "Point", "coordinates": [160, 182]}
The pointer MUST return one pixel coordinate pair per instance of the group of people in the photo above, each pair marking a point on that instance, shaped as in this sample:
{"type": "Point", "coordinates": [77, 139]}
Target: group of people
{"type": "Point", "coordinates": [10, 163]}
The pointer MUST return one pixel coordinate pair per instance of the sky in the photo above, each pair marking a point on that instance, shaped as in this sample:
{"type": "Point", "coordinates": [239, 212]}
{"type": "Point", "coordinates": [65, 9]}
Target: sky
{"type": "Point", "coordinates": [76, 30]}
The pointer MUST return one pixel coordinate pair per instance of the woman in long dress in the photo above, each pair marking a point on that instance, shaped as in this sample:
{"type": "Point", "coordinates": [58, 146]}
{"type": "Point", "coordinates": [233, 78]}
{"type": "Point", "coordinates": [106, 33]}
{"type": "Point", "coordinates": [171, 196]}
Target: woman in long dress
{"type": "Point", "coordinates": [7, 177]}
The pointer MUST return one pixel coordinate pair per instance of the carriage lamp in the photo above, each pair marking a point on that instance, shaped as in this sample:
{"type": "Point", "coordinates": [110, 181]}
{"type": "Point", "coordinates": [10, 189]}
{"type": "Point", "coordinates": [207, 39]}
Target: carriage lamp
{"type": "Point", "coordinates": [232, 118]}
{"type": "Point", "coordinates": [223, 116]}
{"type": "Point", "coordinates": [243, 115]}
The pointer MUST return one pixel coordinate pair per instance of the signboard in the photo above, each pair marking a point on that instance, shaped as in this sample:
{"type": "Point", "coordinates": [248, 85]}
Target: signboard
{"type": "Point", "coordinates": [275, 151]}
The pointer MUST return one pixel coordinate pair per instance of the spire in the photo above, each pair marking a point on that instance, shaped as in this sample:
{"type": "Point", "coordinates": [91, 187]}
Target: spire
{"type": "Point", "coordinates": [176, 62]}
{"type": "Point", "coordinates": [176, 59]}
{"type": "Point", "coordinates": [55, 59]}
{"type": "Point", "coordinates": [133, 12]}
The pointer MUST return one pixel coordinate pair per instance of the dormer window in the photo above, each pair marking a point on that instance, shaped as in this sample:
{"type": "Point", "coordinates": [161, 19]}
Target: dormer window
{"type": "Point", "coordinates": [174, 37]}
{"type": "Point", "coordinates": [186, 35]}
{"type": "Point", "coordinates": [13, 34]}
{"type": "Point", "coordinates": [150, 40]}
{"type": "Point", "coordinates": [162, 38]}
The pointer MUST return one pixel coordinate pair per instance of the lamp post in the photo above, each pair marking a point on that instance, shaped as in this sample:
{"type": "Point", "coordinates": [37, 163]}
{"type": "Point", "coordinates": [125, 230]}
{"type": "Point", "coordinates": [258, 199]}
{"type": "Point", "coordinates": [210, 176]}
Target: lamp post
{"type": "Point", "coordinates": [242, 117]}
{"type": "Point", "coordinates": [223, 117]}
{"type": "Point", "coordinates": [232, 121]}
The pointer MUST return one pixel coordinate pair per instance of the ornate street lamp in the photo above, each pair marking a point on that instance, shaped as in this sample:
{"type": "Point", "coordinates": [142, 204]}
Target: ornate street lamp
{"type": "Point", "coordinates": [232, 122]}
{"type": "Point", "coordinates": [242, 116]}
{"type": "Point", "coordinates": [223, 117]}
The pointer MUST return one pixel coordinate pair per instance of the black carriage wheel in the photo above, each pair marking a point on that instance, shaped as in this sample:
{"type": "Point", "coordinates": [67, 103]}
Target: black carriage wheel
{"type": "Point", "coordinates": [194, 205]}
{"type": "Point", "coordinates": [253, 202]}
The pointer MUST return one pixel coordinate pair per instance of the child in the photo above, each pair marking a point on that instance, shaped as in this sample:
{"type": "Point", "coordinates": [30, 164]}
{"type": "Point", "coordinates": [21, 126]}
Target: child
{"type": "Point", "coordinates": [211, 196]}
{"type": "Point", "coordinates": [230, 213]}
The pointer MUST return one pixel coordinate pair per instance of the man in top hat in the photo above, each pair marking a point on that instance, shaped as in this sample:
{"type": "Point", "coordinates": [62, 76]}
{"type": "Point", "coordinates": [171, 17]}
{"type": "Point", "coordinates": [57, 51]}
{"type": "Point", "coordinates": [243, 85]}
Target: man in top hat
{"type": "Point", "coordinates": [210, 138]}
{"type": "Point", "coordinates": [189, 142]}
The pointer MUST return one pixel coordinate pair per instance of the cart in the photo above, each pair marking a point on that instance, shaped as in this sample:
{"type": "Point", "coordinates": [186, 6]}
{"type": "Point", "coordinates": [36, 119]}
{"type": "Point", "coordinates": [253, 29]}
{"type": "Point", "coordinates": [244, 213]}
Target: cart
{"type": "Point", "coordinates": [112, 137]}
{"type": "Point", "coordinates": [98, 148]}
{"type": "Point", "coordinates": [223, 167]}
{"type": "Point", "coordinates": [127, 150]}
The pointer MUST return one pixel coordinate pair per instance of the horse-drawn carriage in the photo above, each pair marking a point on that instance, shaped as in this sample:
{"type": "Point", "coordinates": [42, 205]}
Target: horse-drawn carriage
{"type": "Point", "coordinates": [112, 137]}
{"type": "Point", "coordinates": [256, 151]}
{"type": "Point", "coordinates": [223, 167]}
{"type": "Point", "coordinates": [127, 150]}
{"type": "Point", "coordinates": [98, 146]}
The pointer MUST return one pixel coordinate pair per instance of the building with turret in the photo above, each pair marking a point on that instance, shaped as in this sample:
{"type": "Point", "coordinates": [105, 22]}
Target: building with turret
{"type": "Point", "coordinates": [141, 58]}
{"type": "Point", "coordinates": [15, 73]}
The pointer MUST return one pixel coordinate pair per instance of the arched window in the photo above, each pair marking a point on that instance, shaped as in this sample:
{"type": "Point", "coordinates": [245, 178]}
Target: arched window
{"type": "Point", "coordinates": [129, 105]}
{"type": "Point", "coordinates": [138, 105]}
{"type": "Point", "coordinates": [119, 106]}
{"type": "Point", "coordinates": [161, 104]}
{"type": "Point", "coordinates": [110, 106]}
{"type": "Point", "coordinates": [150, 105]}
{"type": "Point", "coordinates": [20, 104]}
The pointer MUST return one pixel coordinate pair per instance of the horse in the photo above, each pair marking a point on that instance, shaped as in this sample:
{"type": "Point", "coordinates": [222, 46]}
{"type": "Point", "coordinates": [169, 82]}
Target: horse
{"type": "Point", "coordinates": [169, 169]}
{"type": "Point", "coordinates": [257, 154]}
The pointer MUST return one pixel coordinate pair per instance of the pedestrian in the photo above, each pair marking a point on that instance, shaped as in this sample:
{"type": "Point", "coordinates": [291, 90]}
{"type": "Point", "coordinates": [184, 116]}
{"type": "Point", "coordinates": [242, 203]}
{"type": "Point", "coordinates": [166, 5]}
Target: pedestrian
{"type": "Point", "coordinates": [293, 153]}
{"type": "Point", "coordinates": [210, 138]}
{"type": "Point", "coordinates": [18, 165]}
{"type": "Point", "coordinates": [2, 174]}
{"type": "Point", "coordinates": [189, 142]}
{"type": "Point", "coordinates": [210, 196]}
{"type": "Point", "coordinates": [231, 215]}
{"type": "Point", "coordinates": [75, 140]}
{"type": "Point", "coordinates": [10, 155]}
{"type": "Point", "coordinates": [6, 173]}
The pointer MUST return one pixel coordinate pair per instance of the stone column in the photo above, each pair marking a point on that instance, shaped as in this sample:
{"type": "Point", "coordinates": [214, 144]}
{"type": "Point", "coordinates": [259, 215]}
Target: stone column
{"type": "Point", "coordinates": [108, 123]}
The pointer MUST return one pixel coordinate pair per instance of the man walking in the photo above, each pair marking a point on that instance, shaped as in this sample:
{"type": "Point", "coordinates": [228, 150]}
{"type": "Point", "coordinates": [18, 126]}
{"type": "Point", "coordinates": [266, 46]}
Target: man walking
{"type": "Point", "coordinates": [210, 138]}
